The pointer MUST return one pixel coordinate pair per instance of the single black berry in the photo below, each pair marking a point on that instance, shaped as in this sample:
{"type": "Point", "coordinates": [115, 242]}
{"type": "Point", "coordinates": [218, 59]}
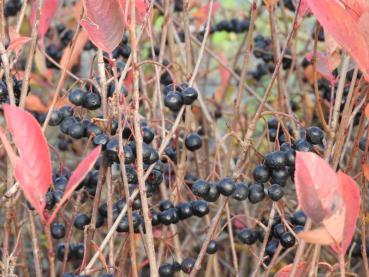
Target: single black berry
{"type": "Point", "coordinates": [76, 96]}
{"type": "Point", "coordinates": [287, 240]}
{"type": "Point", "coordinates": [166, 270]}
{"type": "Point", "coordinates": [256, 193]}
{"type": "Point", "coordinates": [187, 265]}
{"type": "Point", "coordinates": [261, 174]}
{"type": "Point", "coordinates": [200, 188]}
{"type": "Point", "coordinates": [56, 118]}
{"type": "Point", "coordinates": [226, 186]}
{"type": "Point", "coordinates": [193, 142]}
{"type": "Point", "coordinates": [173, 101]}
{"type": "Point", "coordinates": [57, 230]}
{"type": "Point", "coordinates": [213, 193]}
{"type": "Point", "coordinates": [276, 160]}
{"type": "Point", "coordinates": [275, 192]}
{"type": "Point", "coordinates": [184, 210]}
{"type": "Point", "coordinates": [247, 236]}
{"type": "Point", "coordinates": [241, 193]}
{"type": "Point", "coordinates": [314, 135]}
{"type": "Point", "coordinates": [189, 95]}
{"type": "Point", "coordinates": [199, 208]}
{"type": "Point", "coordinates": [92, 101]}
{"type": "Point", "coordinates": [165, 205]}
{"type": "Point", "coordinates": [81, 221]}
{"type": "Point", "coordinates": [212, 247]}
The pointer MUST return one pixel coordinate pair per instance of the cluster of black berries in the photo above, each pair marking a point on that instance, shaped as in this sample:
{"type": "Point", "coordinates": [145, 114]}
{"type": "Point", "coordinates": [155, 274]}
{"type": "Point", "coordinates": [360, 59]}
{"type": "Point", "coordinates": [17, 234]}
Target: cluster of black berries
{"type": "Point", "coordinates": [210, 191]}
{"type": "Point", "coordinates": [123, 50]}
{"type": "Point", "coordinates": [177, 96]}
{"type": "Point", "coordinates": [170, 214]}
{"type": "Point", "coordinates": [12, 7]}
{"type": "Point", "coordinates": [55, 51]}
{"type": "Point", "coordinates": [263, 50]}
{"type": "Point", "coordinates": [279, 235]}
{"type": "Point", "coordinates": [17, 88]}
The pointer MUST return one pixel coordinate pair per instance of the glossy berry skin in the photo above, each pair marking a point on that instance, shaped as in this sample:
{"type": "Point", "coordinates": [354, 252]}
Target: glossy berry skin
{"type": "Point", "coordinates": [213, 193]}
{"type": "Point", "coordinates": [241, 193]}
{"type": "Point", "coordinates": [189, 95]}
{"type": "Point", "coordinates": [188, 264]}
{"type": "Point", "coordinates": [57, 230]}
{"type": "Point", "coordinates": [168, 216]}
{"type": "Point", "coordinates": [303, 145]}
{"type": "Point", "coordinates": [278, 230]}
{"type": "Point", "coordinates": [166, 270]}
{"type": "Point", "coordinates": [193, 142]}
{"type": "Point", "coordinates": [199, 208]}
{"type": "Point", "coordinates": [299, 218]}
{"type": "Point", "coordinates": [66, 111]}
{"type": "Point", "coordinates": [76, 130]}
{"type": "Point", "coordinates": [261, 174]}
{"type": "Point", "coordinates": [56, 118]}
{"type": "Point", "coordinates": [102, 140]}
{"type": "Point", "coordinates": [78, 251]}
{"type": "Point", "coordinates": [173, 101]}
{"type": "Point", "coordinates": [298, 229]}
{"type": "Point", "coordinates": [81, 221]}
{"type": "Point", "coordinates": [276, 160]}
{"type": "Point", "coordinates": [66, 123]}
{"type": "Point", "coordinates": [200, 188]}
{"type": "Point", "coordinates": [77, 96]}
{"type": "Point", "coordinates": [275, 192]}
{"type": "Point", "coordinates": [247, 236]}
{"type": "Point", "coordinates": [112, 148]}
{"type": "Point", "coordinates": [147, 135]}
{"type": "Point", "coordinates": [280, 176]}
{"type": "Point", "coordinates": [92, 101]}
{"type": "Point", "coordinates": [271, 247]}
{"type": "Point", "coordinates": [256, 193]}
{"type": "Point", "coordinates": [272, 123]}
{"type": "Point", "coordinates": [165, 205]}
{"type": "Point", "coordinates": [212, 247]}
{"type": "Point", "coordinates": [155, 221]}
{"type": "Point", "coordinates": [184, 210]}
{"type": "Point", "coordinates": [314, 135]}
{"type": "Point", "coordinates": [287, 240]}
{"type": "Point", "coordinates": [226, 186]}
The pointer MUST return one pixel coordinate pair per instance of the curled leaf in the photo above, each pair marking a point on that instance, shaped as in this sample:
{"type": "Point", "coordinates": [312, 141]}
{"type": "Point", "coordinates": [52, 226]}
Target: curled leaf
{"type": "Point", "coordinates": [347, 22]}
{"type": "Point", "coordinates": [33, 168]}
{"type": "Point", "coordinates": [103, 23]}
{"type": "Point", "coordinates": [77, 177]}
{"type": "Point", "coordinates": [316, 184]}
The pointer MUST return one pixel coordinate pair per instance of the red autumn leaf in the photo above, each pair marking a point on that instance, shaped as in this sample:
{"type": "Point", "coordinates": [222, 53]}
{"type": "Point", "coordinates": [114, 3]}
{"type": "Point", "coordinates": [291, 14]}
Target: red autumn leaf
{"type": "Point", "coordinates": [33, 168]}
{"type": "Point", "coordinates": [335, 198]}
{"type": "Point", "coordinates": [103, 23]}
{"type": "Point", "coordinates": [49, 8]}
{"type": "Point", "coordinates": [347, 21]}
{"type": "Point", "coordinates": [141, 10]}
{"type": "Point", "coordinates": [286, 270]}
{"type": "Point", "coordinates": [351, 199]}
{"type": "Point", "coordinates": [78, 175]}
{"type": "Point", "coordinates": [316, 184]}
{"type": "Point", "coordinates": [365, 168]}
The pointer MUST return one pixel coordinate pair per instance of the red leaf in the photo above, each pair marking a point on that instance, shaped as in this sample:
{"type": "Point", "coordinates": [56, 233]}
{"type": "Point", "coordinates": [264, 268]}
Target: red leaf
{"type": "Point", "coordinates": [335, 198]}
{"type": "Point", "coordinates": [201, 14]}
{"type": "Point", "coordinates": [351, 199]}
{"type": "Point", "coordinates": [33, 169]}
{"type": "Point", "coordinates": [346, 21]}
{"type": "Point", "coordinates": [141, 9]}
{"type": "Point", "coordinates": [32, 145]}
{"type": "Point", "coordinates": [103, 23]}
{"type": "Point", "coordinates": [316, 185]}
{"type": "Point", "coordinates": [28, 182]}
{"type": "Point", "coordinates": [48, 11]}
{"type": "Point", "coordinates": [78, 175]}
